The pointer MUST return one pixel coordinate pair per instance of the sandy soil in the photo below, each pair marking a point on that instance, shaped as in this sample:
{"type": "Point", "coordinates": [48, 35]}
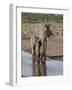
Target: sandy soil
{"type": "Point", "coordinates": [54, 47]}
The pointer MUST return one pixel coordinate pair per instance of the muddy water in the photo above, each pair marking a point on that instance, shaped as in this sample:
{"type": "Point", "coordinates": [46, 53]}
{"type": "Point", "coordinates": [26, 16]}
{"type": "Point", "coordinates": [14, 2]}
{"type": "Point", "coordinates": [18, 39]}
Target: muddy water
{"type": "Point", "coordinates": [53, 67]}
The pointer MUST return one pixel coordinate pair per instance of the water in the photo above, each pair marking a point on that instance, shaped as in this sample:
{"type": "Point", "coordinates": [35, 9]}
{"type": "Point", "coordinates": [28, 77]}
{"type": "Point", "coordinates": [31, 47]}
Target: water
{"type": "Point", "coordinates": [54, 67]}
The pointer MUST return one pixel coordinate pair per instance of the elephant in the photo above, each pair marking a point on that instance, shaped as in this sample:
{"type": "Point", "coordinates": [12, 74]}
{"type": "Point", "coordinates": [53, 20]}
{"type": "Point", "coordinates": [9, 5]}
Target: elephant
{"type": "Point", "coordinates": [39, 46]}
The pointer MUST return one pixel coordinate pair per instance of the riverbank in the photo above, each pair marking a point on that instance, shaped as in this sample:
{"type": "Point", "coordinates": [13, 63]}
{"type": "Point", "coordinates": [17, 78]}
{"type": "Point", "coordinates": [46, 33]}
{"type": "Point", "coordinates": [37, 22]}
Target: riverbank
{"type": "Point", "coordinates": [54, 48]}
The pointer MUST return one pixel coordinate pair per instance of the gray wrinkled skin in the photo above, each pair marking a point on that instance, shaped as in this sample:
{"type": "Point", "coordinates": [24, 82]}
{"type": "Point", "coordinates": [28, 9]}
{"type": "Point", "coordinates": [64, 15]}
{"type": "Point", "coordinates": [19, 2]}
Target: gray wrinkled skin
{"type": "Point", "coordinates": [39, 40]}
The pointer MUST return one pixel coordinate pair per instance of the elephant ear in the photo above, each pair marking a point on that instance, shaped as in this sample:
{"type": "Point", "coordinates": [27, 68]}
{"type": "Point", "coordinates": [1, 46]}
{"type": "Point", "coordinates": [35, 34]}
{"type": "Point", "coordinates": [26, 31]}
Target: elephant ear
{"type": "Point", "coordinates": [46, 27]}
{"type": "Point", "coordinates": [48, 30]}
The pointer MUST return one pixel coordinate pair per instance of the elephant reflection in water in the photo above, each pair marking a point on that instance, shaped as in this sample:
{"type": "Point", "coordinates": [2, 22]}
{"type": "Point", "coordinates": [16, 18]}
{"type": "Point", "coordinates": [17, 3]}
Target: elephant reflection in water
{"type": "Point", "coordinates": [39, 46]}
{"type": "Point", "coordinates": [39, 67]}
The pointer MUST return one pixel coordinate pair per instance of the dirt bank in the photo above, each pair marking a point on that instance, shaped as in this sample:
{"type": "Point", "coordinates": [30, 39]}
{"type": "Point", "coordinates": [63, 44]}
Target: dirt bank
{"type": "Point", "coordinates": [54, 47]}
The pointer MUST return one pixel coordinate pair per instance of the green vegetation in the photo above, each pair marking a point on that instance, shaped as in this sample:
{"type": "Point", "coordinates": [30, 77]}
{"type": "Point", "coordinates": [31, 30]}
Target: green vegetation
{"type": "Point", "coordinates": [41, 18]}
{"type": "Point", "coordinates": [28, 19]}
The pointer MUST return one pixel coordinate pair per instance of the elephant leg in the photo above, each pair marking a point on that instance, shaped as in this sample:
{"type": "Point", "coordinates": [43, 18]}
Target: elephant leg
{"type": "Point", "coordinates": [38, 72]}
{"type": "Point", "coordinates": [43, 53]}
{"type": "Point", "coordinates": [33, 61]}
{"type": "Point", "coordinates": [33, 54]}
{"type": "Point", "coordinates": [44, 49]}
{"type": "Point", "coordinates": [33, 51]}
